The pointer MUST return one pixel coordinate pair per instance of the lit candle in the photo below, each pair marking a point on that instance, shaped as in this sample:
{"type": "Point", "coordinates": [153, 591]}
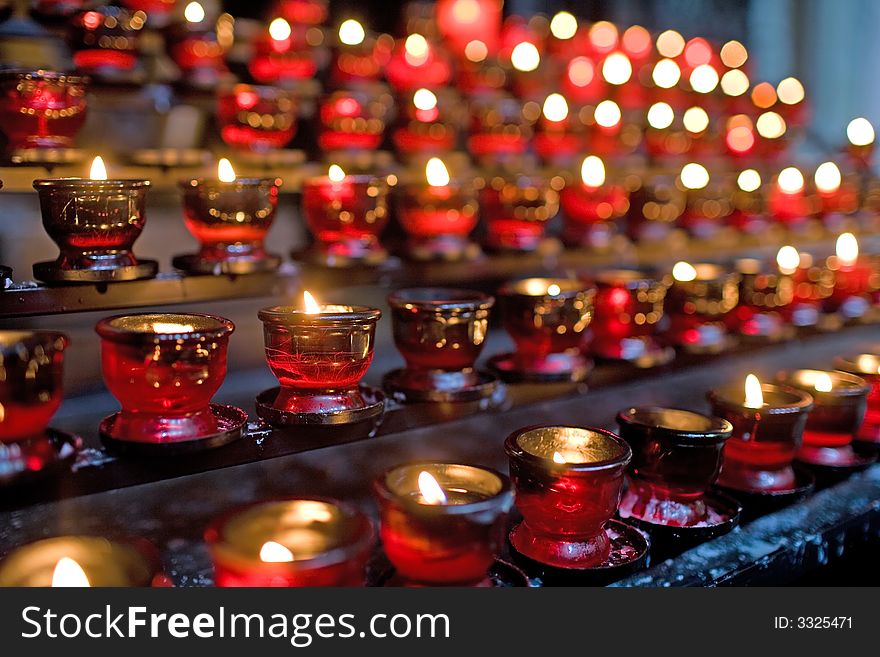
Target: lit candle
{"type": "Point", "coordinates": [359, 56]}
{"type": "Point", "coordinates": [860, 134]}
{"type": "Point", "coordinates": [281, 55]}
{"type": "Point", "coordinates": [418, 63]}
{"type": "Point", "coordinates": [43, 109]}
{"type": "Point", "coordinates": [94, 221]}
{"type": "Point", "coordinates": [195, 48]}
{"type": "Point", "coordinates": [768, 424]}
{"type": "Point", "coordinates": [291, 543]}
{"type": "Point", "coordinates": [230, 217]}
{"type": "Point", "coordinates": [442, 523]}
{"type": "Point", "coordinates": [866, 366]}
{"type": "Point", "coordinates": [787, 202]}
{"type": "Point", "coordinates": [557, 138]}
{"type": "Point", "coordinates": [592, 206]}
{"type": "Point", "coordinates": [851, 277]}
{"type": "Point", "coordinates": [836, 195]}
{"type": "Point", "coordinates": [699, 298]}
{"type": "Point", "coordinates": [749, 213]}
{"type": "Point", "coordinates": [461, 22]}
{"type": "Point", "coordinates": [352, 121]}
{"type": "Point", "coordinates": [424, 127]}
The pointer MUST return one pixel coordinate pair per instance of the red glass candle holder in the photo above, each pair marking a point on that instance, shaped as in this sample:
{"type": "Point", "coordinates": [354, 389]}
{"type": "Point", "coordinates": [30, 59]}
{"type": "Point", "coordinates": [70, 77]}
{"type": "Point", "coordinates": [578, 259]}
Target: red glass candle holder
{"type": "Point", "coordinates": [361, 63]}
{"type": "Point", "coordinates": [438, 219]}
{"type": "Point", "coordinates": [547, 319]}
{"type": "Point", "coordinates": [867, 367]}
{"type": "Point", "coordinates": [346, 218]}
{"type": "Point", "coordinates": [164, 369]}
{"type": "Point", "coordinates": [197, 52]}
{"type": "Point", "coordinates": [286, 543]}
{"type": "Point", "coordinates": [765, 299]}
{"type": "Point", "coordinates": [516, 210]}
{"type": "Point", "coordinates": [708, 209]}
{"type": "Point", "coordinates": [758, 456]}
{"type": "Point", "coordinates": [836, 417]}
{"type": "Point", "coordinates": [353, 121]}
{"type": "Point", "coordinates": [105, 40]}
{"type": "Point", "coordinates": [447, 543]}
{"type": "Point", "coordinates": [309, 12]}
{"type": "Point", "coordinates": [749, 211]}
{"type": "Point", "coordinates": [499, 130]}
{"type": "Point", "coordinates": [41, 109]}
{"type": "Point", "coordinates": [85, 561]}
{"type": "Point", "coordinates": [850, 284]}
{"type": "Point", "coordinates": [788, 207]}
{"type": "Point", "coordinates": [812, 286]}
{"type": "Point", "coordinates": [31, 383]}
{"type": "Point", "coordinates": [568, 483]}
{"type": "Point", "coordinates": [431, 68]}
{"type": "Point", "coordinates": [440, 333]}
{"type": "Point", "coordinates": [230, 220]}
{"type": "Point", "coordinates": [95, 224]}
{"type": "Point", "coordinates": [426, 129]}
{"type": "Point", "coordinates": [676, 459]}
{"type": "Point", "coordinates": [256, 118]}
{"type": "Point", "coordinates": [698, 308]}
{"type": "Point", "coordinates": [319, 359]}
{"type": "Point", "coordinates": [629, 314]}
{"type": "Point", "coordinates": [284, 61]}
{"type": "Point", "coordinates": [590, 213]}
{"type": "Point", "coordinates": [654, 208]}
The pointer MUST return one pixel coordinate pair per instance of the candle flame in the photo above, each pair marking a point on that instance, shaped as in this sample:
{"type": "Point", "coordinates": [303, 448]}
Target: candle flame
{"type": "Point", "coordinates": [754, 394]}
{"type": "Point", "coordinates": [416, 49]}
{"type": "Point", "coordinates": [749, 180]}
{"type": "Point", "coordinates": [424, 99]}
{"type": "Point", "coordinates": [431, 491]}
{"type": "Point", "coordinates": [734, 82]}
{"type": "Point", "coordinates": [436, 173]}
{"type": "Point", "coordinates": [279, 30]}
{"type": "Point", "coordinates": [607, 114]}
{"type": "Point", "coordinates": [860, 132]}
{"type": "Point", "coordinates": [827, 177]}
{"type": "Point", "coordinates": [225, 172]}
{"type": "Point", "coordinates": [563, 26]}
{"type": "Point", "coordinates": [273, 552]}
{"type": "Point", "coordinates": [69, 574]}
{"type": "Point", "coordinates": [704, 79]}
{"type": "Point", "coordinates": [554, 290]}
{"type": "Point", "coordinates": [98, 170]}
{"type": "Point", "coordinates": [847, 248]}
{"type": "Point", "coordinates": [666, 74]}
{"type": "Point", "coordinates": [312, 307]}
{"type": "Point", "coordinates": [593, 171]}
{"type": "Point", "coordinates": [194, 13]}
{"type": "Point", "coordinates": [867, 363]}
{"type": "Point", "coordinates": [171, 327]}
{"type": "Point", "coordinates": [617, 69]}
{"type": "Point", "coordinates": [790, 180]}
{"type": "Point", "coordinates": [822, 382]}
{"type": "Point", "coordinates": [788, 259]}
{"type": "Point", "coordinates": [770, 125]}
{"type": "Point", "coordinates": [790, 91]}
{"type": "Point", "coordinates": [525, 57]}
{"type": "Point", "coordinates": [466, 11]}
{"type": "Point", "coordinates": [558, 458]}
{"type": "Point", "coordinates": [603, 35]}
{"type": "Point", "coordinates": [336, 173]}
{"type": "Point", "coordinates": [670, 43]}
{"type": "Point", "coordinates": [660, 116]}
{"type": "Point", "coordinates": [351, 32]}
{"type": "Point", "coordinates": [476, 51]}
{"type": "Point", "coordinates": [695, 120]}
{"type": "Point", "coordinates": [684, 272]}
{"type": "Point", "coordinates": [555, 108]}
{"type": "Point", "coordinates": [734, 54]}
{"type": "Point", "coordinates": [694, 176]}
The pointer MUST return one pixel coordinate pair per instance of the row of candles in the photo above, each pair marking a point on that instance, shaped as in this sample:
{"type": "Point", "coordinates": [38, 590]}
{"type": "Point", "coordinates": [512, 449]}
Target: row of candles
{"type": "Point", "coordinates": [444, 523]}
{"type": "Point", "coordinates": [95, 221]}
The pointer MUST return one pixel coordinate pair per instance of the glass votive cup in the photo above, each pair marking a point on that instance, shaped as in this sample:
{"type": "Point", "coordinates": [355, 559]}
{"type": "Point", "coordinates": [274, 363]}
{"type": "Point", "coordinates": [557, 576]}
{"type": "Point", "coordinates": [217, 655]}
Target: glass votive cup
{"type": "Point", "coordinates": [353, 120]}
{"type": "Point", "coordinates": [433, 72]}
{"type": "Point", "coordinates": [568, 482]}
{"type": "Point", "coordinates": [836, 417]}
{"type": "Point", "coordinates": [438, 219]}
{"type": "Point", "coordinates": [707, 210]}
{"type": "Point", "coordinates": [285, 61]}
{"type": "Point", "coordinates": [498, 129]}
{"type": "Point", "coordinates": [547, 318]}
{"type": "Point", "coordinates": [87, 561]}
{"type": "Point", "coordinates": [866, 366]}
{"type": "Point", "coordinates": [629, 314]}
{"type": "Point", "coordinates": [106, 39]}
{"type": "Point", "coordinates": [31, 386]}
{"type": "Point", "coordinates": [759, 453]}
{"type": "Point", "coordinates": [655, 206]}
{"type": "Point", "coordinates": [319, 358]}
{"type": "Point", "coordinates": [850, 284]}
{"type": "Point", "coordinates": [765, 299]}
{"type": "Point", "coordinates": [230, 219]}
{"type": "Point", "coordinates": [450, 543]}
{"type": "Point", "coordinates": [697, 308]}
{"type": "Point", "coordinates": [256, 118]}
{"type": "Point", "coordinates": [287, 543]}
{"type": "Point", "coordinates": [347, 217]}
{"type": "Point", "coordinates": [163, 368]}
{"type": "Point", "coordinates": [94, 222]}
{"type": "Point", "coordinates": [41, 109]}
{"type": "Point", "coordinates": [516, 210]}
{"type": "Point", "coordinates": [676, 459]}
{"type": "Point", "coordinates": [590, 213]}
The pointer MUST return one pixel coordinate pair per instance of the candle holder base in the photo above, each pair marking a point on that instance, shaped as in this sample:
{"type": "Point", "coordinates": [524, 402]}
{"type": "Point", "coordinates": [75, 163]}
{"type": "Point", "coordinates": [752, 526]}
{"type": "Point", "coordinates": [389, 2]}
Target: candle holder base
{"type": "Point", "coordinates": [226, 425]}
{"type": "Point", "coordinates": [444, 248]}
{"type": "Point", "coordinates": [364, 407]}
{"type": "Point", "coordinates": [831, 465]}
{"type": "Point", "coordinates": [756, 503]}
{"type": "Point", "coordinates": [501, 575]}
{"type": "Point", "coordinates": [46, 157]}
{"type": "Point", "coordinates": [554, 368]}
{"type": "Point", "coordinates": [707, 340]}
{"type": "Point", "coordinates": [167, 158]}
{"type": "Point", "coordinates": [342, 258]}
{"type": "Point", "coordinates": [51, 272]}
{"type": "Point", "coordinates": [438, 386]}
{"type": "Point", "coordinates": [642, 352]}
{"type": "Point", "coordinates": [196, 264]}
{"type": "Point", "coordinates": [629, 553]}
{"type": "Point", "coordinates": [667, 541]}
{"type": "Point", "coordinates": [35, 459]}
